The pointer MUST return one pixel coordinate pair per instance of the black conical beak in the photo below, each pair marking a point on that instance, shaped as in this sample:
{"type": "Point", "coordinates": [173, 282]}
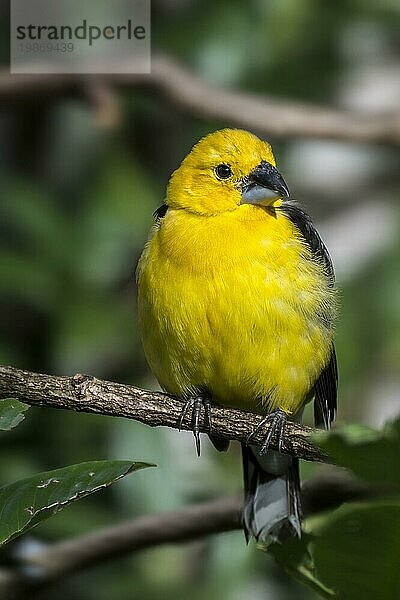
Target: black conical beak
{"type": "Point", "coordinates": [263, 184]}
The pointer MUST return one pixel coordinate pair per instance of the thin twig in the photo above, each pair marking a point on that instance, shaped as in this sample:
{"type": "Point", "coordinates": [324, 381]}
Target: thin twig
{"type": "Point", "coordinates": [189, 92]}
{"type": "Point", "coordinates": [87, 394]}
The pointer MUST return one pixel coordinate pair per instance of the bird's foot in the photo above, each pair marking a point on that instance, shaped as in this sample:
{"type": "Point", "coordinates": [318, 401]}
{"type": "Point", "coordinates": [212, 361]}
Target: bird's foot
{"type": "Point", "coordinates": [276, 422]}
{"type": "Point", "coordinates": [195, 403]}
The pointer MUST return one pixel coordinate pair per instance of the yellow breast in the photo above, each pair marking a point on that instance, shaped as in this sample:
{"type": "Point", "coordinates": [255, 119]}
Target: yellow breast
{"type": "Point", "coordinates": [233, 304]}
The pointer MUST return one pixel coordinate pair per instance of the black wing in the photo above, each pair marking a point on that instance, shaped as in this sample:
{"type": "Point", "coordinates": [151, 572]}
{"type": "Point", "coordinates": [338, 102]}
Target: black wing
{"type": "Point", "coordinates": [160, 212]}
{"type": "Point", "coordinates": [325, 388]}
{"type": "Point", "coordinates": [304, 224]}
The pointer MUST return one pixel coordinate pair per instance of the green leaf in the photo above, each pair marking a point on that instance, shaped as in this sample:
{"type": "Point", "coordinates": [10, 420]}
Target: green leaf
{"type": "Point", "coordinates": [25, 503]}
{"type": "Point", "coordinates": [11, 413]}
{"type": "Point", "coordinates": [351, 553]}
{"type": "Point", "coordinates": [357, 551]}
{"type": "Point", "coordinates": [370, 454]}
{"type": "Point", "coordinates": [295, 558]}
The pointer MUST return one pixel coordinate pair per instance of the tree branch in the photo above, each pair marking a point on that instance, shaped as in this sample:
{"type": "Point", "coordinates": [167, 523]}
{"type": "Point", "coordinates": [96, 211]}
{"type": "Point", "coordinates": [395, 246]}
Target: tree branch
{"type": "Point", "coordinates": [87, 394]}
{"type": "Point", "coordinates": [268, 115]}
{"type": "Point", "coordinates": [39, 568]}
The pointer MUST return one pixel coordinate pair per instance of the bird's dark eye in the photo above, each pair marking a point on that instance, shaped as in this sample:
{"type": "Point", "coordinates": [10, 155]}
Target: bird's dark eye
{"type": "Point", "coordinates": [223, 171]}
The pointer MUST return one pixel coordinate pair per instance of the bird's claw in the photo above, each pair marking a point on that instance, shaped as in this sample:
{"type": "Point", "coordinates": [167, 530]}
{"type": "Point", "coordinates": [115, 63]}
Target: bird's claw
{"type": "Point", "coordinates": [276, 422]}
{"type": "Point", "coordinates": [195, 403]}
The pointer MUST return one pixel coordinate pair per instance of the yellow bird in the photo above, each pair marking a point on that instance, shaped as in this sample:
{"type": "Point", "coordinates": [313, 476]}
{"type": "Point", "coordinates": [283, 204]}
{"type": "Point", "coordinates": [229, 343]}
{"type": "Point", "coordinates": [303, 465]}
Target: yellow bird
{"type": "Point", "coordinates": [236, 305]}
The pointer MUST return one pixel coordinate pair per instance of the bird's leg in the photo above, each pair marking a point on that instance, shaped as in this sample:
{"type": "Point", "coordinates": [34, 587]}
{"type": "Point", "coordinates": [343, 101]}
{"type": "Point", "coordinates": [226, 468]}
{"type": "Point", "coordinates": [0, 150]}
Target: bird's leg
{"type": "Point", "coordinates": [194, 403]}
{"type": "Point", "coordinates": [277, 423]}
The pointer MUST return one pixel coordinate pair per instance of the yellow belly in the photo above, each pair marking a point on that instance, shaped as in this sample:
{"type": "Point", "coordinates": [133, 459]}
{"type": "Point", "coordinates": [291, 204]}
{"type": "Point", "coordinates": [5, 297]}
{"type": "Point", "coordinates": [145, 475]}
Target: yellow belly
{"type": "Point", "coordinates": [231, 304]}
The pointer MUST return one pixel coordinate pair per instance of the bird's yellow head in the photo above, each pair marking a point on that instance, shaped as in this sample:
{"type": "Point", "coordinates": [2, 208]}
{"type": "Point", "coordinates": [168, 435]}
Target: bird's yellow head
{"type": "Point", "coordinates": [224, 170]}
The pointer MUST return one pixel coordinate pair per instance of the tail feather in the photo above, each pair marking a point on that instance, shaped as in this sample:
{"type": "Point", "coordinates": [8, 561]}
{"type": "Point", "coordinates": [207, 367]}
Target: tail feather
{"type": "Point", "coordinates": [272, 484]}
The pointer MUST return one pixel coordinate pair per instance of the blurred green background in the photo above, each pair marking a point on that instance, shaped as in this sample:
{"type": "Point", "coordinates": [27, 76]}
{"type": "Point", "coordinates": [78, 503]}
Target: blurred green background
{"type": "Point", "coordinates": [77, 197]}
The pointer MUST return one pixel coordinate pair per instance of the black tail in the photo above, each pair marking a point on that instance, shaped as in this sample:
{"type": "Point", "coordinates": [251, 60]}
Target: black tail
{"type": "Point", "coordinates": [272, 509]}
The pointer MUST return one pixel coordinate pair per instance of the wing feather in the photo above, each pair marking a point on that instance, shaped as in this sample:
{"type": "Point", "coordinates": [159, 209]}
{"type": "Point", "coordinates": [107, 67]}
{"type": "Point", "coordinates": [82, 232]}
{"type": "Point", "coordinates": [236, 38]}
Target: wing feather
{"type": "Point", "coordinates": [325, 388]}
